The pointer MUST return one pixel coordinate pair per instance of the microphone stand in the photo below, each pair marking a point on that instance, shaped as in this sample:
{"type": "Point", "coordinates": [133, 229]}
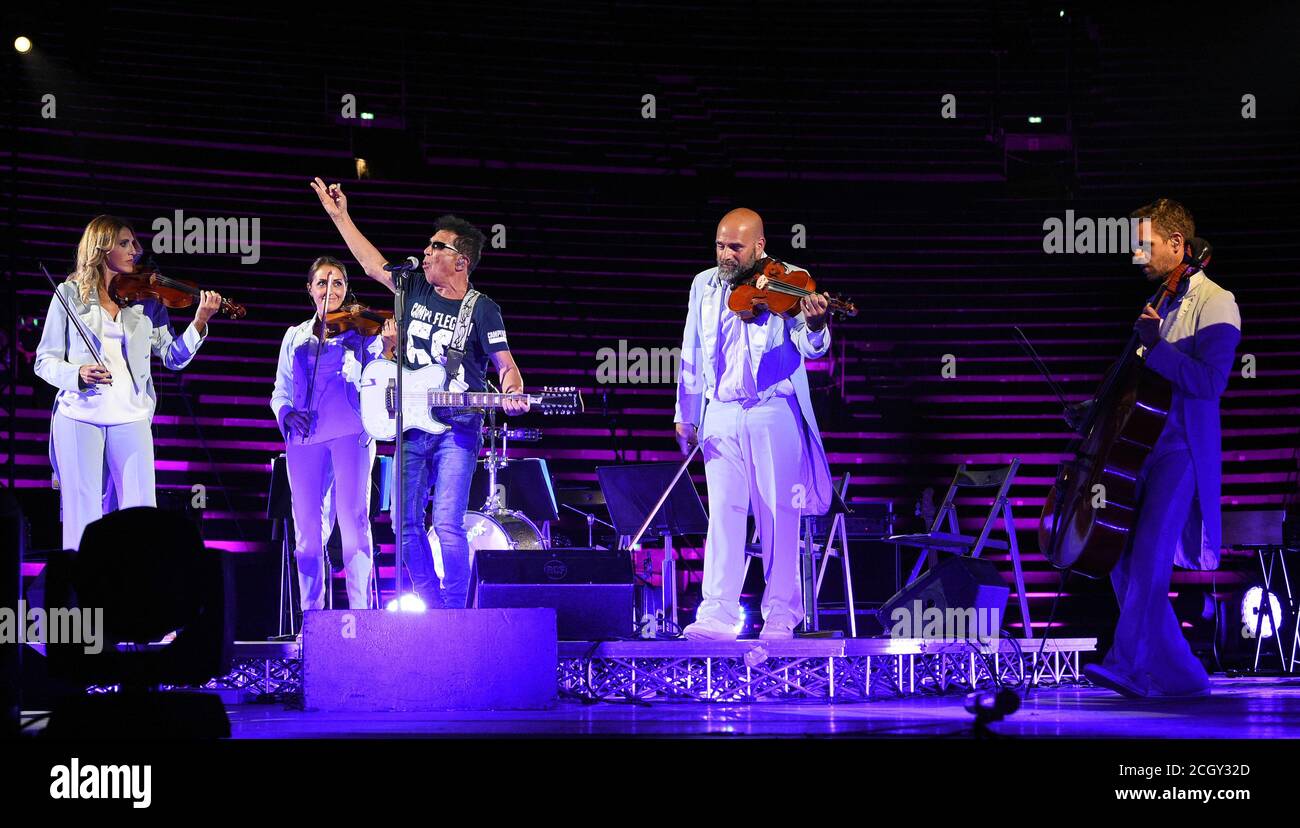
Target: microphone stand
{"type": "Point", "coordinates": [592, 520]}
{"type": "Point", "coordinates": [399, 472]}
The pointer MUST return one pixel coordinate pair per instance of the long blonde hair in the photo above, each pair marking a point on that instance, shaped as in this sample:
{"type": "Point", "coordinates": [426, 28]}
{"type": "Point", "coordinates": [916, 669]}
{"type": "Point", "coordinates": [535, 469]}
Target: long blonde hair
{"type": "Point", "coordinates": [96, 242]}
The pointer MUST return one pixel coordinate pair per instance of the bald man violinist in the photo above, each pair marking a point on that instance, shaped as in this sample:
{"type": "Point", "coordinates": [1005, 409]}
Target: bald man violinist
{"type": "Point", "coordinates": [743, 396]}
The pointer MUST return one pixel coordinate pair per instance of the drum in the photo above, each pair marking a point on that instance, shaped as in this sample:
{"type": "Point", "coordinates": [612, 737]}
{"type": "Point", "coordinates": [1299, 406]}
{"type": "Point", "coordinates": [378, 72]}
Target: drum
{"type": "Point", "coordinates": [503, 530]}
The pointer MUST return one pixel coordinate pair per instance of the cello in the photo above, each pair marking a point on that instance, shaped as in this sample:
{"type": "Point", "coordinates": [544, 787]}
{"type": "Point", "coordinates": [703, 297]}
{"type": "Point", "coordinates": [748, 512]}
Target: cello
{"type": "Point", "coordinates": [1091, 510]}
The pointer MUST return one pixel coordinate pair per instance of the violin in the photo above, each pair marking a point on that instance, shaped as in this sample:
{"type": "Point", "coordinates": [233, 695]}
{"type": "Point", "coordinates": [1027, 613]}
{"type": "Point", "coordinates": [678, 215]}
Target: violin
{"type": "Point", "coordinates": [149, 283]}
{"type": "Point", "coordinates": [785, 287]}
{"type": "Point", "coordinates": [1077, 530]}
{"type": "Point", "coordinates": [355, 317]}
{"type": "Point", "coordinates": [352, 316]}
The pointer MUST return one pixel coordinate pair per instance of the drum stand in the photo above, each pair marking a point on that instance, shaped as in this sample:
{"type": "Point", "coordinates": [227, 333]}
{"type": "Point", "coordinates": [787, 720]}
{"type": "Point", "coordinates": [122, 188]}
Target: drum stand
{"type": "Point", "coordinates": [494, 461]}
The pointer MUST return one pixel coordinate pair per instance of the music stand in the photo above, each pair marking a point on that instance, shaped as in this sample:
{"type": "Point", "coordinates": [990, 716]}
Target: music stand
{"type": "Point", "coordinates": [631, 491]}
{"type": "Point", "coordinates": [279, 510]}
{"type": "Point", "coordinates": [526, 486]}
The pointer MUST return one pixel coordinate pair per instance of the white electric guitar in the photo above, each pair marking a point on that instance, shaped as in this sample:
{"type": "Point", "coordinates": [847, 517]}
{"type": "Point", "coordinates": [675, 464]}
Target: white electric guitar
{"type": "Point", "coordinates": [423, 394]}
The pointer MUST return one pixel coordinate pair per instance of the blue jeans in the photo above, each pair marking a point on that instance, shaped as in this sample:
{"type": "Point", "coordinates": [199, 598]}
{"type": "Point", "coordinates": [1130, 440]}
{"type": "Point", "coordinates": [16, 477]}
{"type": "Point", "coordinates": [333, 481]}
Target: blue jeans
{"type": "Point", "coordinates": [444, 463]}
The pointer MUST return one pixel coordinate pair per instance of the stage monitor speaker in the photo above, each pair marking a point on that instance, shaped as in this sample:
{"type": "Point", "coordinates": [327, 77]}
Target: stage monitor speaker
{"type": "Point", "coordinates": [590, 589]}
{"type": "Point", "coordinates": [959, 582]}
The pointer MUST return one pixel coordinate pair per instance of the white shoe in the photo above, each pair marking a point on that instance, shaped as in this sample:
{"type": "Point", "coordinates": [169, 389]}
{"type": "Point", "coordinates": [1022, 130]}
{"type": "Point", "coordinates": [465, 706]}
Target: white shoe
{"type": "Point", "coordinates": [707, 629]}
{"type": "Point", "coordinates": [776, 631]}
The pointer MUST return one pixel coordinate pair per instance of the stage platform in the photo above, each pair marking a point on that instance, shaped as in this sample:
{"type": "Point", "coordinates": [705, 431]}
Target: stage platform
{"type": "Point", "coordinates": [805, 669]}
{"type": "Point", "coordinates": [797, 689]}
{"type": "Point", "coordinates": [1244, 708]}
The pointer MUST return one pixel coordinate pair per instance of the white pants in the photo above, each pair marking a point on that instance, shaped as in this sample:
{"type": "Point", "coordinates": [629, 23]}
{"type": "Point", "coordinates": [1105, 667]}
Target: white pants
{"type": "Point", "coordinates": [83, 452]}
{"type": "Point", "coordinates": [312, 468]}
{"type": "Point", "coordinates": [753, 457]}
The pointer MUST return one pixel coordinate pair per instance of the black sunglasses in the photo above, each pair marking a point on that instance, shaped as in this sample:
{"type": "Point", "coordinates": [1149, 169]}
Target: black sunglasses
{"type": "Point", "coordinates": [437, 245]}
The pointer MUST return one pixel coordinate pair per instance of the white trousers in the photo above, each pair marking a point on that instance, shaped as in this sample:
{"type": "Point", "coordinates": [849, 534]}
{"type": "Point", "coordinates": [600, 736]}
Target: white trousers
{"type": "Point", "coordinates": [344, 463]}
{"type": "Point", "coordinates": [753, 457]}
{"type": "Point", "coordinates": [83, 452]}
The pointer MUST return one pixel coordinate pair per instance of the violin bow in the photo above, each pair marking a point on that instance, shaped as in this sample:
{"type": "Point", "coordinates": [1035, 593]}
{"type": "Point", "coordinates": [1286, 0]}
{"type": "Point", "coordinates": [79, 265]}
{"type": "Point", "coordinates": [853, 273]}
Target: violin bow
{"type": "Point", "coordinates": [311, 383]}
{"type": "Point", "coordinates": [76, 320]}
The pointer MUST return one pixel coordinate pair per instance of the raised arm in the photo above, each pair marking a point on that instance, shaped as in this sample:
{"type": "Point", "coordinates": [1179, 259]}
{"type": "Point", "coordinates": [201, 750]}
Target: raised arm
{"type": "Point", "coordinates": [336, 207]}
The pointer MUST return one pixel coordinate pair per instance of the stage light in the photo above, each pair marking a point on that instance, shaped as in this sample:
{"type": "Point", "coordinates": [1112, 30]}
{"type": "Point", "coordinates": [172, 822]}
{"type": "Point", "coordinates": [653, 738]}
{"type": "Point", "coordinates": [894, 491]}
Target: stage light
{"type": "Point", "coordinates": [167, 580]}
{"type": "Point", "coordinates": [988, 706]}
{"type": "Point", "coordinates": [410, 602]}
{"type": "Point", "coordinates": [1035, 119]}
{"type": "Point", "coordinates": [22, 44]}
{"type": "Point", "coordinates": [367, 116]}
{"type": "Point", "coordinates": [363, 168]}
{"type": "Point", "coordinates": [1250, 606]}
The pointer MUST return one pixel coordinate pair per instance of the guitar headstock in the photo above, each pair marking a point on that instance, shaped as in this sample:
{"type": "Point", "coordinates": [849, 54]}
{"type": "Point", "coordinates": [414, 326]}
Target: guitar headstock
{"type": "Point", "coordinates": [560, 400]}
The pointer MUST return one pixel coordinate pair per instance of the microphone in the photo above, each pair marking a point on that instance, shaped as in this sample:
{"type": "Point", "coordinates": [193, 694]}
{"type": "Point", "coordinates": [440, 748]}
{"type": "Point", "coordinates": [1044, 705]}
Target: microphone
{"type": "Point", "coordinates": [407, 265]}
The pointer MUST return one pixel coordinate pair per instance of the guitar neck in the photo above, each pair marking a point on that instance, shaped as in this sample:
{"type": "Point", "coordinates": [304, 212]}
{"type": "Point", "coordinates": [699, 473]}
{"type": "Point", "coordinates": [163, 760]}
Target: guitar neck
{"type": "Point", "coordinates": [473, 399]}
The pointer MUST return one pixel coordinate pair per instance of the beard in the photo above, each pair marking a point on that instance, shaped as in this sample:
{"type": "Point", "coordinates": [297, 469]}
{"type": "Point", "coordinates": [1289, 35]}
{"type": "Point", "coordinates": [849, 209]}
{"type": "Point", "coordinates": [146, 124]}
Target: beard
{"type": "Point", "coordinates": [736, 272]}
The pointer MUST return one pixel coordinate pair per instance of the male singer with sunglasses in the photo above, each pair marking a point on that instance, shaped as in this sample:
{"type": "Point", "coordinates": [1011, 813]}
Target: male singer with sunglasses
{"type": "Point", "coordinates": [441, 462]}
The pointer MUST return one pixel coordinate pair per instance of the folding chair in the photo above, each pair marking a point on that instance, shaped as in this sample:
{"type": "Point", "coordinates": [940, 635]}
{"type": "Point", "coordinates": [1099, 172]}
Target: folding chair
{"type": "Point", "coordinates": [945, 535]}
{"type": "Point", "coordinates": [811, 572]}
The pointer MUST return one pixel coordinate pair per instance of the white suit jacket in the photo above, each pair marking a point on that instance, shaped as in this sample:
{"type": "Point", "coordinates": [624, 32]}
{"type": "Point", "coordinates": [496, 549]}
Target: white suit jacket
{"type": "Point", "coordinates": [788, 344]}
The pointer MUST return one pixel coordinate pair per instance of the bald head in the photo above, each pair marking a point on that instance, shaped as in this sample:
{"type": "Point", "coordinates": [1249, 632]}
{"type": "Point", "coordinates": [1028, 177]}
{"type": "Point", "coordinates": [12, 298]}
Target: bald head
{"type": "Point", "coordinates": [739, 242]}
{"type": "Point", "coordinates": [743, 220]}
